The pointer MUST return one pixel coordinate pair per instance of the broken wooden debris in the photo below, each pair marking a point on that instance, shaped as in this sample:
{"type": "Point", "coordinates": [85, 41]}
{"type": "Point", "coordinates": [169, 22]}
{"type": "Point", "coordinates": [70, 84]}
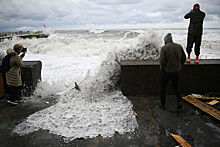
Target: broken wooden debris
{"type": "Point", "coordinates": [206, 98]}
{"type": "Point", "coordinates": [204, 107]}
{"type": "Point", "coordinates": [180, 140]}
{"type": "Point", "coordinates": [213, 102]}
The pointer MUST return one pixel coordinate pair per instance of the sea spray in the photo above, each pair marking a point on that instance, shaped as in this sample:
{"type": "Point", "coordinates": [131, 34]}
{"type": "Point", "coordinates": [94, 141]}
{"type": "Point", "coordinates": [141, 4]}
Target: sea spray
{"type": "Point", "coordinates": [107, 78]}
{"type": "Point", "coordinates": [100, 108]}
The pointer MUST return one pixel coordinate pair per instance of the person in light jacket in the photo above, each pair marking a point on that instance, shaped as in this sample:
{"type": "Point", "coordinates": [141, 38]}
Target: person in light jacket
{"type": "Point", "coordinates": [13, 76]}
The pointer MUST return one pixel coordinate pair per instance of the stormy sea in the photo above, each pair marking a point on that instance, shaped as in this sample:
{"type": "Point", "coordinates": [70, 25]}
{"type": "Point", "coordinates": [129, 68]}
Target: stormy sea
{"type": "Point", "coordinates": [92, 59]}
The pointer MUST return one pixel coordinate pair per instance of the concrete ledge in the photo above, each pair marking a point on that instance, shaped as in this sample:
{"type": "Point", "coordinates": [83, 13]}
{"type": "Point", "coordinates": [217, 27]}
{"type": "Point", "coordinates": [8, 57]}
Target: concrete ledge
{"type": "Point", "coordinates": [144, 77]}
{"type": "Point", "coordinates": [31, 75]}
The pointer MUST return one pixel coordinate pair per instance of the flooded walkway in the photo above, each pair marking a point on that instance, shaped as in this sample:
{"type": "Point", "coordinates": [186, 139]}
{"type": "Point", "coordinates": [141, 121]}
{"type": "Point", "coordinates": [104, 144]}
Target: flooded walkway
{"type": "Point", "coordinates": [197, 128]}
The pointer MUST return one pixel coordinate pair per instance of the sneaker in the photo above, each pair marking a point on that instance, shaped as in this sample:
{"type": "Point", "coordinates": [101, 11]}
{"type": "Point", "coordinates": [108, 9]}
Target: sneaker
{"type": "Point", "coordinates": [162, 107]}
{"type": "Point", "coordinates": [196, 61]}
{"type": "Point", "coordinates": [11, 102]}
{"type": "Point", "coordinates": [180, 105]}
{"type": "Point", "coordinates": [19, 101]}
{"type": "Point", "coordinates": [188, 60]}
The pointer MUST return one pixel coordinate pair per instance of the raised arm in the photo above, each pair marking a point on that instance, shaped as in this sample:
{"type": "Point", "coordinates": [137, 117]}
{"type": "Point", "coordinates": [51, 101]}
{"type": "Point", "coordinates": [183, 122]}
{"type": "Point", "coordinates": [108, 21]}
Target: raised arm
{"type": "Point", "coordinates": [188, 15]}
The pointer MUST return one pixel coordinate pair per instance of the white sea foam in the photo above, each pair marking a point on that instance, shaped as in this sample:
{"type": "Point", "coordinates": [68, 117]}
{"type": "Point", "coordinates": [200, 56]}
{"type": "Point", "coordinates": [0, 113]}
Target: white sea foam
{"type": "Point", "coordinates": [80, 118]}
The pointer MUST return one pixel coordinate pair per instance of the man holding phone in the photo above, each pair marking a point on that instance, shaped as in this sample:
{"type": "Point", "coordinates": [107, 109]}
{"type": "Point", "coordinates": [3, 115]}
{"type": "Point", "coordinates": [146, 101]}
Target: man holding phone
{"type": "Point", "coordinates": [13, 75]}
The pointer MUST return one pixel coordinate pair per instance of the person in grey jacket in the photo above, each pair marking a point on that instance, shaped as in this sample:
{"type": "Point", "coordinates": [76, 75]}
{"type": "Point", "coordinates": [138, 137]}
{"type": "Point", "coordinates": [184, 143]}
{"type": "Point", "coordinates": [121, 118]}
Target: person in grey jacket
{"type": "Point", "coordinates": [172, 58]}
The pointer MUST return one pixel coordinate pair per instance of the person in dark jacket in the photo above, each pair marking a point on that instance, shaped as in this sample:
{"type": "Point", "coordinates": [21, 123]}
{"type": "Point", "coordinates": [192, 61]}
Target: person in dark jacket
{"type": "Point", "coordinates": [195, 31]}
{"type": "Point", "coordinates": [172, 58]}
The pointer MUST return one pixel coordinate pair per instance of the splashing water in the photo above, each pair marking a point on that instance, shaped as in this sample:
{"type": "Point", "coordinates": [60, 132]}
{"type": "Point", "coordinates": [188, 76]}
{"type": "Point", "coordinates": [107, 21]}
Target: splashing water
{"type": "Point", "coordinates": [100, 109]}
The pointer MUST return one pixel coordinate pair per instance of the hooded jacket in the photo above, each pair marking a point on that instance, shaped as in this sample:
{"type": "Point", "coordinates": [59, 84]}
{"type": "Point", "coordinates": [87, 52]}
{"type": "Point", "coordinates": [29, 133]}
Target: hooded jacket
{"type": "Point", "coordinates": [13, 76]}
{"type": "Point", "coordinates": [196, 21]}
{"type": "Point", "coordinates": [172, 57]}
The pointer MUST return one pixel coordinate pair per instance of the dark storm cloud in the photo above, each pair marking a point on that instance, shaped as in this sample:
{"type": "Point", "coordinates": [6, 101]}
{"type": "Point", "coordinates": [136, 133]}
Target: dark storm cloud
{"type": "Point", "coordinates": [56, 13]}
{"type": "Point", "coordinates": [115, 2]}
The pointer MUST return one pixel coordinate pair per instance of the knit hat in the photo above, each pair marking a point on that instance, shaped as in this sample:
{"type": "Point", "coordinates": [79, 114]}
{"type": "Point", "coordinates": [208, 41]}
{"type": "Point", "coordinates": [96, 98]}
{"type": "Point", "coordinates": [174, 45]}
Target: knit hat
{"type": "Point", "coordinates": [17, 47]}
{"type": "Point", "coordinates": [196, 5]}
{"type": "Point", "coordinates": [168, 38]}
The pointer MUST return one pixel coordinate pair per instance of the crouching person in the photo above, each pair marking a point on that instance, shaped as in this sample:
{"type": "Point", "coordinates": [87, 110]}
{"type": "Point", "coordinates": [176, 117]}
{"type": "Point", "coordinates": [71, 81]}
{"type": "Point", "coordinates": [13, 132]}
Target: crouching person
{"type": "Point", "coordinates": [172, 58]}
{"type": "Point", "coordinates": [13, 76]}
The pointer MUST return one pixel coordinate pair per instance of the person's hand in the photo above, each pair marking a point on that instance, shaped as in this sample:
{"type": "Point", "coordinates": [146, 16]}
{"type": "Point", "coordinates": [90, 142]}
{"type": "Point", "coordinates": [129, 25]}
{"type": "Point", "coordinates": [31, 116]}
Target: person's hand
{"type": "Point", "coordinates": [22, 55]}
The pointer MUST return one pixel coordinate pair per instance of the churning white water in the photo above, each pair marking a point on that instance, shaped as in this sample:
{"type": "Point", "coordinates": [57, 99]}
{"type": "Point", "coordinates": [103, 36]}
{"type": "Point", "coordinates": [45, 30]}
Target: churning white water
{"type": "Point", "coordinates": [100, 108]}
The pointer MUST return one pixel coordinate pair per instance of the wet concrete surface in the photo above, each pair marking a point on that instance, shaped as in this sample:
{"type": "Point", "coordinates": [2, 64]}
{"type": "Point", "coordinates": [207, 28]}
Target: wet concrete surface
{"type": "Point", "coordinates": [155, 124]}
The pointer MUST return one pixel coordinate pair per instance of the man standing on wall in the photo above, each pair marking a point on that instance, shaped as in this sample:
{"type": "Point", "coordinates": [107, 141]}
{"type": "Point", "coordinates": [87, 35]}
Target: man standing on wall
{"type": "Point", "coordinates": [172, 58]}
{"type": "Point", "coordinates": [194, 31]}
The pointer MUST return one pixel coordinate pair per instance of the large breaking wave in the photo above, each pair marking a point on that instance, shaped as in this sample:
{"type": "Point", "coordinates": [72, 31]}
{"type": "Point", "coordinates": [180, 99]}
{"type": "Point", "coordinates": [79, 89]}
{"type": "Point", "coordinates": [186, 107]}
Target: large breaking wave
{"type": "Point", "coordinates": [100, 108]}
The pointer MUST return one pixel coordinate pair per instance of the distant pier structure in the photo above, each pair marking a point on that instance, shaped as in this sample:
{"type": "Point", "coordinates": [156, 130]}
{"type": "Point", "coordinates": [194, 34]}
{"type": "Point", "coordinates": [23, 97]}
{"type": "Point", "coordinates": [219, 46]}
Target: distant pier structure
{"type": "Point", "coordinates": [22, 34]}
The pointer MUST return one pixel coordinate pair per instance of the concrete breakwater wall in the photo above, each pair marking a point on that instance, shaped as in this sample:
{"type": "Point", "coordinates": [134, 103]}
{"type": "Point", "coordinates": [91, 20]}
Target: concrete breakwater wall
{"type": "Point", "coordinates": [144, 77]}
{"type": "Point", "coordinates": [30, 74]}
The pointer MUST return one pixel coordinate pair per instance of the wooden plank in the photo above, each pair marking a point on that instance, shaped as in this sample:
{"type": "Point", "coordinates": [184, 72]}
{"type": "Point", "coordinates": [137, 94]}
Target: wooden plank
{"type": "Point", "coordinates": [180, 140]}
{"type": "Point", "coordinates": [213, 102]}
{"type": "Point", "coordinates": [204, 107]}
{"type": "Point", "coordinates": [206, 98]}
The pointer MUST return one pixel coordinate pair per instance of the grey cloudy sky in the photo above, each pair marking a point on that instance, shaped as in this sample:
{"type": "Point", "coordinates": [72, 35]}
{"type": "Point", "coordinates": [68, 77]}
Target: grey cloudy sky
{"type": "Point", "coordinates": [101, 14]}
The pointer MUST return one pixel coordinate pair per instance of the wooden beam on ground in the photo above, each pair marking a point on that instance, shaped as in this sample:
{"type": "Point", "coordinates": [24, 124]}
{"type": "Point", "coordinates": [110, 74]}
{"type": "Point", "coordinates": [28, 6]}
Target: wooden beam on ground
{"type": "Point", "coordinates": [213, 102]}
{"type": "Point", "coordinates": [207, 98]}
{"type": "Point", "coordinates": [180, 140]}
{"type": "Point", "coordinates": [204, 107]}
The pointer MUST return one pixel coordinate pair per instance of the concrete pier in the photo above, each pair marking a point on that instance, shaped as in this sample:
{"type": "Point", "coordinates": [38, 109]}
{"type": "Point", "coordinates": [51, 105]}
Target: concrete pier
{"type": "Point", "coordinates": [197, 128]}
{"type": "Point", "coordinates": [144, 77]}
{"type": "Point", "coordinates": [24, 36]}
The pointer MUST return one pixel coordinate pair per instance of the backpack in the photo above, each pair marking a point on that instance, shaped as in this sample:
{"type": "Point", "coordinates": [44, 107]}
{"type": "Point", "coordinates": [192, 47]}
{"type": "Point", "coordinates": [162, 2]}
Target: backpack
{"type": "Point", "coordinates": [5, 66]}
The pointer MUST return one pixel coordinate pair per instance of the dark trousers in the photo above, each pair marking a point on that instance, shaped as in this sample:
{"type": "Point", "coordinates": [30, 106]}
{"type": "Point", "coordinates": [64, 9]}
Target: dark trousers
{"type": "Point", "coordinates": [14, 93]}
{"type": "Point", "coordinates": [166, 77]}
{"type": "Point", "coordinates": [191, 39]}
{"type": "Point", "coordinates": [4, 80]}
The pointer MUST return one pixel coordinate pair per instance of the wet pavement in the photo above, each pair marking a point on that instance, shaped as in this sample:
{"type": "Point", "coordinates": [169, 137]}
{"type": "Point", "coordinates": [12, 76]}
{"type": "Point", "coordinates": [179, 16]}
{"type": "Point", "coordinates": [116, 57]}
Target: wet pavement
{"type": "Point", "coordinates": [155, 124]}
